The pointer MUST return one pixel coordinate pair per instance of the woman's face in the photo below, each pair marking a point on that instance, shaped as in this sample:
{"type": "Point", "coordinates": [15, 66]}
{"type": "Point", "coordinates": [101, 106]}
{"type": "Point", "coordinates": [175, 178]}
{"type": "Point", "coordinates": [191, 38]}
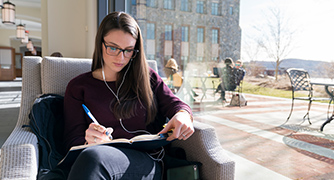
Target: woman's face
{"type": "Point", "coordinates": [114, 60]}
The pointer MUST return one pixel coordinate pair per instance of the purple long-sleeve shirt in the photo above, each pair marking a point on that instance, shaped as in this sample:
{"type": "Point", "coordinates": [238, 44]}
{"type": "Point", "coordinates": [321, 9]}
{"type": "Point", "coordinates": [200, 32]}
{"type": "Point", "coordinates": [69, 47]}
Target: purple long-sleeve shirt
{"type": "Point", "coordinates": [85, 89]}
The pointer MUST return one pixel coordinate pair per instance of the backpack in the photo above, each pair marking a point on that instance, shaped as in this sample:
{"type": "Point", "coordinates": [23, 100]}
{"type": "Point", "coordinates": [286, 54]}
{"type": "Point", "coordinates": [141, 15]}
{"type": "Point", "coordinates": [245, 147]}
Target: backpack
{"type": "Point", "coordinates": [238, 100]}
{"type": "Point", "coordinates": [46, 122]}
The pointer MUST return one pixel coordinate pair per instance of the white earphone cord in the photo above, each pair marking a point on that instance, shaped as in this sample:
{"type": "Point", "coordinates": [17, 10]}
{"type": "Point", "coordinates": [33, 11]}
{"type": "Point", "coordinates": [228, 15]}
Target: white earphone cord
{"type": "Point", "coordinates": [104, 79]}
{"type": "Point", "coordinates": [116, 95]}
{"type": "Point", "coordinates": [161, 153]}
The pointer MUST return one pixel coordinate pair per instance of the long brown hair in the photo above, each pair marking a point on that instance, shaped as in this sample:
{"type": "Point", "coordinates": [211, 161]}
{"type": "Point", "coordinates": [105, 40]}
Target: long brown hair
{"type": "Point", "coordinates": [136, 87]}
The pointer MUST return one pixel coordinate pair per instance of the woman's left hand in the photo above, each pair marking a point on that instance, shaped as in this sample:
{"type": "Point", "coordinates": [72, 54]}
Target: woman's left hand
{"type": "Point", "coordinates": [182, 126]}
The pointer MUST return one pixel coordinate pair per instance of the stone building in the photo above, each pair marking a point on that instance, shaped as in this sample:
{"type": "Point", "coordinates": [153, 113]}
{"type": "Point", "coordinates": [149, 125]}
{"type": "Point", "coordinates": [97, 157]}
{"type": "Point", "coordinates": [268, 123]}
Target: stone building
{"type": "Point", "coordinates": [190, 31]}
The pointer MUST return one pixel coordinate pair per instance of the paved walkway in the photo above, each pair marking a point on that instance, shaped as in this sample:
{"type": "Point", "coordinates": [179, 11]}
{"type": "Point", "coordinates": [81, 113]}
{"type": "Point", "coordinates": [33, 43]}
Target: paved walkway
{"type": "Point", "coordinates": [264, 147]}
{"type": "Point", "coordinates": [255, 135]}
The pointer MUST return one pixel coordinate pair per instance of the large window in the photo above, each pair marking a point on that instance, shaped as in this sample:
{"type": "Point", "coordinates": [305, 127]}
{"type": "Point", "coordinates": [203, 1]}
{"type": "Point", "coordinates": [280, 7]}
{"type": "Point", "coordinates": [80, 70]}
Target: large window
{"type": "Point", "coordinates": [200, 35]}
{"type": "Point", "coordinates": [169, 4]}
{"type": "Point", "coordinates": [214, 36]}
{"type": "Point", "coordinates": [185, 33]}
{"type": "Point", "coordinates": [200, 7]}
{"type": "Point", "coordinates": [214, 8]}
{"type": "Point", "coordinates": [150, 31]}
{"type": "Point", "coordinates": [185, 5]}
{"type": "Point", "coordinates": [168, 32]}
{"type": "Point", "coordinates": [231, 10]}
{"type": "Point", "coordinates": [151, 3]}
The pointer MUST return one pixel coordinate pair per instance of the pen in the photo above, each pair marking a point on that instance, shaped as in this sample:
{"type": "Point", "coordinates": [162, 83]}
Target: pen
{"type": "Point", "coordinates": [94, 120]}
{"type": "Point", "coordinates": [90, 114]}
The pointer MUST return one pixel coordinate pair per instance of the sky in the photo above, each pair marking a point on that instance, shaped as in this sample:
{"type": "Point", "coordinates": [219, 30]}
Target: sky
{"type": "Point", "coordinates": [312, 20]}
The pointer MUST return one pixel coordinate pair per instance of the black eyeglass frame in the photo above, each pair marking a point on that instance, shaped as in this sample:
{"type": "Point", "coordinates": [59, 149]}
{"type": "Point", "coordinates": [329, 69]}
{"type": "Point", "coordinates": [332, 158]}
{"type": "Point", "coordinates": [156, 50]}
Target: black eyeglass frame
{"type": "Point", "coordinates": [135, 51]}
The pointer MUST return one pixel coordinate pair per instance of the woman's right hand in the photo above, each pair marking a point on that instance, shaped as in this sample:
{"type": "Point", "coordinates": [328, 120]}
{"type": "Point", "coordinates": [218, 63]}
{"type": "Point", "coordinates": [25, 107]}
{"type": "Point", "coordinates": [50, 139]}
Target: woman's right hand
{"type": "Point", "coordinates": [98, 133]}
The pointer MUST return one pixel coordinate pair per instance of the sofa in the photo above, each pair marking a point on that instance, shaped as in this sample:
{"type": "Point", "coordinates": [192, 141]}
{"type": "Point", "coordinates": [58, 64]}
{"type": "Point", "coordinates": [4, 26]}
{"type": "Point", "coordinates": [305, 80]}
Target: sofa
{"type": "Point", "coordinates": [19, 154]}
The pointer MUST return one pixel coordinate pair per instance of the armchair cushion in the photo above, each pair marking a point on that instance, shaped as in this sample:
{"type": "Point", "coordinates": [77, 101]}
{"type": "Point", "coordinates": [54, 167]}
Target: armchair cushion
{"type": "Point", "coordinates": [57, 72]}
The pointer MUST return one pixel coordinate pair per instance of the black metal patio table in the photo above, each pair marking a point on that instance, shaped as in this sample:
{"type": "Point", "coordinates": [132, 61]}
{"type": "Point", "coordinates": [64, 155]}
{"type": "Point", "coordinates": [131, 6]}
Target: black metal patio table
{"type": "Point", "coordinates": [326, 84]}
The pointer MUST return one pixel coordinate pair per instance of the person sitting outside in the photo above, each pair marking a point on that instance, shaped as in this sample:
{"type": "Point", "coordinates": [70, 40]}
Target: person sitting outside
{"type": "Point", "coordinates": [231, 78]}
{"type": "Point", "coordinates": [240, 71]}
{"type": "Point", "coordinates": [174, 78]}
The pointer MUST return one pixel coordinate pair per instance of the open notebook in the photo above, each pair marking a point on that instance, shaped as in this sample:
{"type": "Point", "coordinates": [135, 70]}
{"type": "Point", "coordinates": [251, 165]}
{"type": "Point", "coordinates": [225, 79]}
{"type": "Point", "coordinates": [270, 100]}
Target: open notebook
{"type": "Point", "coordinates": [145, 142]}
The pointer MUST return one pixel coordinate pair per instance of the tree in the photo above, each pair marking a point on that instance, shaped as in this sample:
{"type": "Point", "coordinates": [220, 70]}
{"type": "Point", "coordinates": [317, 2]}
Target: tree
{"type": "Point", "coordinates": [250, 48]}
{"type": "Point", "coordinates": [275, 37]}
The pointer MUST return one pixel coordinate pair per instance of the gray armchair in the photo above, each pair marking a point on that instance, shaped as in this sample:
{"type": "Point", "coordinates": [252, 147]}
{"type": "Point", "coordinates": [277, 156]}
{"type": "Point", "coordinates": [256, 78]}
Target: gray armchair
{"type": "Point", "coordinates": [19, 154]}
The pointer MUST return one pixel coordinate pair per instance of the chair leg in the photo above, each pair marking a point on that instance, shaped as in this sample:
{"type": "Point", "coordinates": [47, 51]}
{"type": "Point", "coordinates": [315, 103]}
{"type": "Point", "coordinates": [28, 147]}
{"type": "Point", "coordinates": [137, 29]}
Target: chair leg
{"type": "Point", "coordinates": [308, 112]}
{"type": "Point", "coordinates": [290, 111]}
{"type": "Point", "coordinates": [329, 119]}
{"type": "Point", "coordinates": [329, 107]}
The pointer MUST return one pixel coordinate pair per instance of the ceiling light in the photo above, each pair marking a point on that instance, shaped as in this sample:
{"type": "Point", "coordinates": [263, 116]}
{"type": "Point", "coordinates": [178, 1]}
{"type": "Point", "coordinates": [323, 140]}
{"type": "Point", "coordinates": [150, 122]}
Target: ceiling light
{"type": "Point", "coordinates": [8, 13]}
{"type": "Point", "coordinates": [20, 31]}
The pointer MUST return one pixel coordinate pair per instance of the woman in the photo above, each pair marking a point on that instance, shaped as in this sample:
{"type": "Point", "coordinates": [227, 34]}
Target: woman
{"type": "Point", "coordinates": [228, 80]}
{"type": "Point", "coordinates": [173, 77]}
{"type": "Point", "coordinates": [126, 97]}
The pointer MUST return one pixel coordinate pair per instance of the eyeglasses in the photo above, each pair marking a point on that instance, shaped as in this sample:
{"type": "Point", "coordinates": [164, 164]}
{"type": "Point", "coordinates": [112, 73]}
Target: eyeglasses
{"type": "Point", "coordinates": [237, 64]}
{"type": "Point", "coordinates": [114, 51]}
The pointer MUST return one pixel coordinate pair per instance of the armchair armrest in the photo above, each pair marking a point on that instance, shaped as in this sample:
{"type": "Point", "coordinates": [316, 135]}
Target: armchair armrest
{"type": "Point", "coordinates": [204, 146]}
{"type": "Point", "coordinates": [19, 155]}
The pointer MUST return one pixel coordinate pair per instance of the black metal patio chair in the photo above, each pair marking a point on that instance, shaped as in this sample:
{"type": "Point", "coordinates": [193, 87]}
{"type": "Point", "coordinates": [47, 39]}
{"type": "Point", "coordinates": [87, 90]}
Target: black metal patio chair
{"type": "Point", "coordinates": [300, 81]}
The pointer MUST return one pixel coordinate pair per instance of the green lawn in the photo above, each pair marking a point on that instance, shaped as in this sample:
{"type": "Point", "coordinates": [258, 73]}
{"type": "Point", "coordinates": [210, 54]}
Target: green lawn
{"type": "Point", "coordinates": [254, 89]}
{"type": "Point", "coordinates": [249, 88]}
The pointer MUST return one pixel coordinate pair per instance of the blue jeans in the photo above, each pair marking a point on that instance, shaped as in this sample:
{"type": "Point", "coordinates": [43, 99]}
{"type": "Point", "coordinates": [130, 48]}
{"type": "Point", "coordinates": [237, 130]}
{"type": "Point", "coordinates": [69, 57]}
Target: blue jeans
{"type": "Point", "coordinates": [107, 162]}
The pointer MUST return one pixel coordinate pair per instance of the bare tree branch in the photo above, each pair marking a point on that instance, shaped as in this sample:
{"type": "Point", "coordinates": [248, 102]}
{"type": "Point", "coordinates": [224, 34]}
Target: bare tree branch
{"type": "Point", "coordinates": [276, 37]}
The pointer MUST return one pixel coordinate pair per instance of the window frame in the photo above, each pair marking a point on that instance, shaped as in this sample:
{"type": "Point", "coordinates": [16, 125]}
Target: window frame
{"type": "Point", "coordinates": [200, 7]}
{"type": "Point", "coordinates": [185, 30]}
{"type": "Point", "coordinates": [215, 8]}
{"type": "Point", "coordinates": [169, 33]}
{"type": "Point", "coordinates": [200, 36]}
{"type": "Point", "coordinates": [215, 36]}
{"type": "Point", "coordinates": [149, 32]}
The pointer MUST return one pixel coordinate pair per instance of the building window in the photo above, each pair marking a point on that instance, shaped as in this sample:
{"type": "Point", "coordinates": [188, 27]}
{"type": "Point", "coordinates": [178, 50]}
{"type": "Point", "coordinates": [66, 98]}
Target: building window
{"type": "Point", "coordinates": [214, 58]}
{"type": "Point", "coordinates": [184, 5]}
{"type": "Point", "coordinates": [231, 10]}
{"type": "Point", "coordinates": [214, 9]}
{"type": "Point", "coordinates": [200, 7]}
{"type": "Point", "coordinates": [150, 31]}
{"type": "Point", "coordinates": [214, 36]}
{"type": "Point", "coordinates": [168, 32]}
{"type": "Point", "coordinates": [151, 3]}
{"type": "Point", "coordinates": [199, 58]}
{"type": "Point", "coordinates": [200, 35]}
{"type": "Point", "coordinates": [185, 34]}
{"type": "Point", "coordinates": [134, 2]}
{"type": "Point", "coordinates": [168, 4]}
